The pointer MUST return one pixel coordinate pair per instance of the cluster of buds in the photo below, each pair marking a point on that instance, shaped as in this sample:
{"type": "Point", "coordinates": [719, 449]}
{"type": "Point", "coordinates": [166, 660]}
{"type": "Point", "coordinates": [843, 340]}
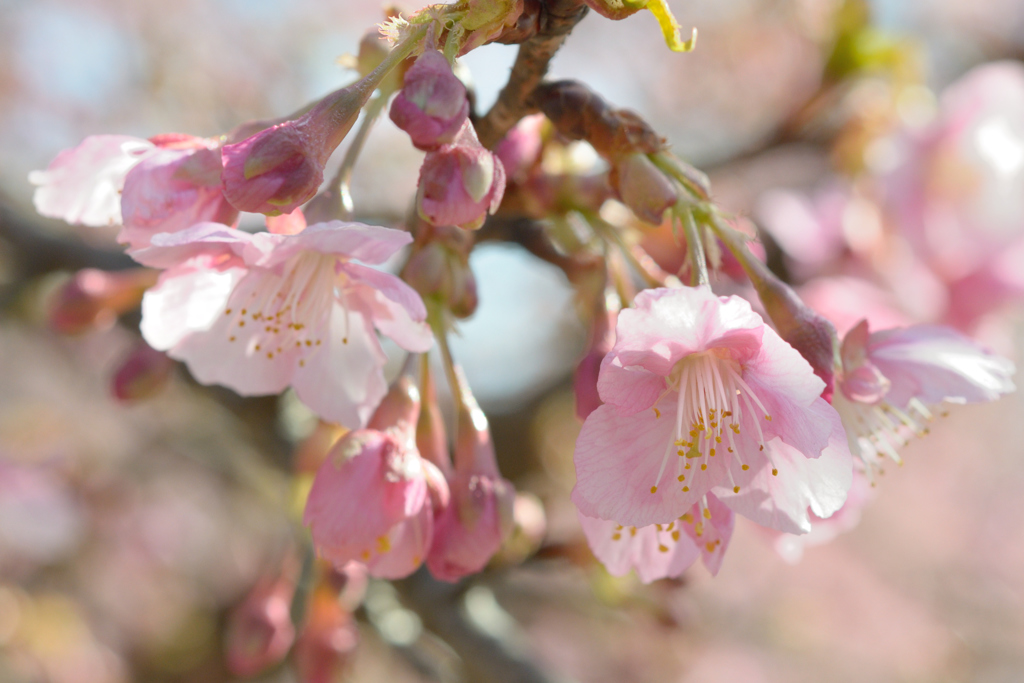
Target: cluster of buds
{"type": "Point", "coordinates": [390, 498]}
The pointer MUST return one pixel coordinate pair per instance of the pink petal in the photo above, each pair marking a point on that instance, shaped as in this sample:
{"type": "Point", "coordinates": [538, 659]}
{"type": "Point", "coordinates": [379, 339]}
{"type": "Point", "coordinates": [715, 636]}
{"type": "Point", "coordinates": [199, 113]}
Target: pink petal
{"type": "Point", "coordinates": [617, 462]}
{"type": "Point", "coordinates": [622, 548]}
{"type": "Point", "coordinates": [185, 302]}
{"type": "Point", "coordinates": [409, 542]}
{"type": "Point", "coordinates": [803, 485]}
{"type": "Point", "coordinates": [343, 381]}
{"type": "Point", "coordinates": [226, 353]}
{"type": "Point", "coordinates": [393, 306]}
{"type": "Point", "coordinates": [935, 364]}
{"type": "Point", "coordinates": [82, 185]}
{"type": "Point", "coordinates": [367, 243]}
{"type": "Point", "coordinates": [471, 529]}
{"type": "Point", "coordinates": [223, 245]}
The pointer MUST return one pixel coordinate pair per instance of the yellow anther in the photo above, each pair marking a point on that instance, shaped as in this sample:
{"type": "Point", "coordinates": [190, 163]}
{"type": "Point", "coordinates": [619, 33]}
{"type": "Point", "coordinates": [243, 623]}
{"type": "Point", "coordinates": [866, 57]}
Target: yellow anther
{"type": "Point", "coordinates": [616, 536]}
{"type": "Point", "coordinates": [662, 548]}
{"type": "Point", "coordinates": [632, 531]}
{"type": "Point", "coordinates": [227, 311]}
{"type": "Point", "coordinates": [681, 477]}
{"type": "Point", "coordinates": [687, 517]}
{"type": "Point", "coordinates": [745, 467]}
{"type": "Point", "coordinates": [711, 452]}
{"type": "Point", "coordinates": [675, 535]}
{"type": "Point", "coordinates": [686, 489]}
{"type": "Point", "coordinates": [654, 489]}
{"type": "Point", "coordinates": [775, 472]}
{"type": "Point", "coordinates": [657, 413]}
{"type": "Point", "coordinates": [658, 527]}
{"type": "Point", "coordinates": [710, 546]}
{"type": "Point", "coordinates": [698, 529]}
{"type": "Point", "coordinates": [707, 513]}
{"type": "Point", "coordinates": [231, 338]}
{"type": "Point", "coordinates": [768, 417]}
{"type": "Point", "coordinates": [703, 467]}
{"type": "Point", "coordinates": [383, 544]}
{"type": "Point", "coordinates": [735, 489]}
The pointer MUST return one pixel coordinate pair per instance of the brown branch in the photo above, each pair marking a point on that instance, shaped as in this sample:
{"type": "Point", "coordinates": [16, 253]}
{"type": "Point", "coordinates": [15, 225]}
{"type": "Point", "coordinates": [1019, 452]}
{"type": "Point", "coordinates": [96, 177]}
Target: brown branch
{"type": "Point", "coordinates": [485, 657]}
{"type": "Point", "coordinates": [556, 18]}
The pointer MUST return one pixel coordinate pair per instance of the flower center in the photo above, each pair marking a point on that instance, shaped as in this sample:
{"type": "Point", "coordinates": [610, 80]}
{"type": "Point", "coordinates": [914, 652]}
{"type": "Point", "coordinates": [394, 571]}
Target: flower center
{"type": "Point", "coordinates": [285, 312]}
{"type": "Point", "coordinates": [712, 401]}
{"type": "Point", "coordinates": [878, 429]}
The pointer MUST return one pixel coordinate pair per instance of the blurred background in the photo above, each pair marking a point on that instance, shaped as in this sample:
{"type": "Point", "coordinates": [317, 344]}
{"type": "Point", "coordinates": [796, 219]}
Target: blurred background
{"type": "Point", "coordinates": [136, 537]}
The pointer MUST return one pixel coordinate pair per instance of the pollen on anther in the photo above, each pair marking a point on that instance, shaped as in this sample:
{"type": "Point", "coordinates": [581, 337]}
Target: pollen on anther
{"type": "Point", "coordinates": [745, 467]}
{"type": "Point", "coordinates": [703, 467]}
{"type": "Point", "coordinates": [244, 311]}
{"type": "Point", "coordinates": [686, 489]}
{"type": "Point", "coordinates": [231, 338]}
{"type": "Point", "coordinates": [675, 535]}
{"type": "Point", "coordinates": [654, 489]}
{"type": "Point", "coordinates": [710, 546]}
{"type": "Point", "coordinates": [730, 449]}
{"type": "Point", "coordinates": [241, 323]}
{"type": "Point", "coordinates": [681, 477]}
{"type": "Point", "coordinates": [768, 417]}
{"type": "Point", "coordinates": [711, 452]}
{"type": "Point", "coordinates": [302, 363]}
{"type": "Point", "coordinates": [687, 517]}
{"type": "Point", "coordinates": [616, 536]}
{"type": "Point", "coordinates": [632, 531]}
{"type": "Point", "coordinates": [662, 548]}
{"type": "Point", "coordinates": [344, 340]}
{"type": "Point", "coordinates": [735, 489]}
{"type": "Point", "coordinates": [775, 472]}
{"type": "Point", "coordinates": [707, 513]}
{"type": "Point", "coordinates": [227, 311]}
{"type": "Point", "coordinates": [761, 447]}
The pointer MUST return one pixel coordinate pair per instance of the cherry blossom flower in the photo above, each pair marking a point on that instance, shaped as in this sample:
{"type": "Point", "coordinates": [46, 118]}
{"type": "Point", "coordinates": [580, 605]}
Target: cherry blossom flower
{"type": "Point", "coordinates": [702, 397]}
{"type": "Point", "coordinates": [82, 185]}
{"type": "Point", "coordinates": [260, 312]}
{"type": "Point", "coordinates": [893, 383]}
{"type": "Point", "coordinates": [370, 501]}
{"type": "Point", "coordinates": [164, 184]}
{"type": "Point", "coordinates": [661, 551]}
{"type": "Point", "coordinates": [471, 528]}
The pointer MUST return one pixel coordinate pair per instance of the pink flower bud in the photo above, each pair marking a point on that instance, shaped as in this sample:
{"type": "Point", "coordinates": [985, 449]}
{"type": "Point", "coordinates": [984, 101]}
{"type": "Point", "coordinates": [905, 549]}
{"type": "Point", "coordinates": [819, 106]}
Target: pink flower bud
{"type": "Point", "coordinates": [260, 629]}
{"type": "Point", "coordinates": [328, 638]}
{"type": "Point", "coordinates": [643, 187]}
{"type": "Point", "coordinates": [92, 299]}
{"type": "Point", "coordinates": [442, 273]}
{"type": "Point", "coordinates": [280, 168]}
{"type": "Point", "coordinates": [432, 105]}
{"type": "Point", "coordinates": [520, 149]}
{"type": "Point", "coordinates": [460, 183]}
{"type": "Point", "coordinates": [142, 374]}
{"type": "Point", "coordinates": [471, 529]}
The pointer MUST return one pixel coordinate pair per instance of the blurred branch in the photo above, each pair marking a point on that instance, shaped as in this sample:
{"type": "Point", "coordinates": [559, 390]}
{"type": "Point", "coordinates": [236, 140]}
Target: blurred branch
{"type": "Point", "coordinates": [484, 656]}
{"type": "Point", "coordinates": [555, 19]}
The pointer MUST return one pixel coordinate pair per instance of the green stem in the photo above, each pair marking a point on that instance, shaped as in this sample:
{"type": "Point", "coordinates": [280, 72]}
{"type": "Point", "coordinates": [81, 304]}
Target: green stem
{"type": "Point", "coordinates": [611, 234]}
{"type": "Point", "coordinates": [695, 249]}
{"type": "Point", "coordinates": [342, 181]}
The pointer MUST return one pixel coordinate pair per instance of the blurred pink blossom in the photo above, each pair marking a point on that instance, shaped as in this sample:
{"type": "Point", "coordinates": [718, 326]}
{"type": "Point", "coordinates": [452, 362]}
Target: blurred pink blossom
{"type": "Point", "coordinates": [432, 105]}
{"type": "Point", "coordinates": [370, 500]}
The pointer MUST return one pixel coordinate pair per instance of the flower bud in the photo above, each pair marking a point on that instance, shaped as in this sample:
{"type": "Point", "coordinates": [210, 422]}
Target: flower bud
{"type": "Point", "coordinates": [432, 105]}
{"type": "Point", "coordinates": [460, 183]}
{"type": "Point", "coordinates": [473, 526]}
{"type": "Point", "coordinates": [92, 299]}
{"type": "Point", "coordinates": [520, 149]}
{"type": "Point", "coordinates": [400, 407]}
{"type": "Point", "coordinates": [281, 167]}
{"type": "Point", "coordinates": [328, 638]}
{"type": "Point", "coordinates": [142, 374]}
{"type": "Point", "coordinates": [643, 187]}
{"type": "Point", "coordinates": [260, 630]}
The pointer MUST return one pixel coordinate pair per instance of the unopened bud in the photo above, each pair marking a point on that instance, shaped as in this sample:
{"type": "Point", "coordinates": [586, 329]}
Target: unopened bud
{"type": "Point", "coordinates": [401, 406]}
{"type": "Point", "coordinates": [472, 528]}
{"type": "Point", "coordinates": [432, 105]}
{"type": "Point", "coordinates": [260, 630]}
{"type": "Point", "coordinates": [520, 149]}
{"type": "Point", "coordinates": [281, 167]}
{"type": "Point", "coordinates": [142, 374]}
{"type": "Point", "coordinates": [460, 183]}
{"type": "Point", "coordinates": [643, 187]}
{"type": "Point", "coordinates": [92, 299]}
